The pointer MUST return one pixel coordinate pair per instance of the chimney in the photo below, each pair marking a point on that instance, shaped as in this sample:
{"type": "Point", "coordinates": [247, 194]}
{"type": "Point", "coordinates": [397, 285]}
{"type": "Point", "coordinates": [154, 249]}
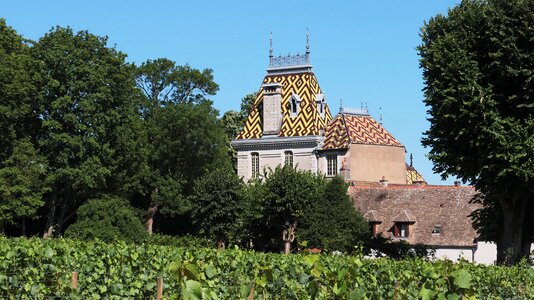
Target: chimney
{"type": "Point", "coordinates": [384, 181]}
{"type": "Point", "coordinates": [272, 108]}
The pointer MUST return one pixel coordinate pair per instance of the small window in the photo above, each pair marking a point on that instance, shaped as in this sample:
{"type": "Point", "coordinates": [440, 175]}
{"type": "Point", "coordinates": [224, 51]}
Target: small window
{"type": "Point", "coordinates": [331, 161]}
{"type": "Point", "coordinates": [255, 165]}
{"type": "Point", "coordinates": [288, 158]}
{"type": "Point", "coordinates": [294, 103]}
{"type": "Point", "coordinates": [373, 226]}
{"type": "Point", "coordinates": [436, 229]}
{"type": "Point", "coordinates": [401, 229]}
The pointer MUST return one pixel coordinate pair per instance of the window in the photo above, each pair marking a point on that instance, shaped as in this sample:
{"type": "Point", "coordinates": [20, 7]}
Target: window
{"type": "Point", "coordinates": [373, 226]}
{"type": "Point", "coordinates": [401, 229]}
{"type": "Point", "coordinates": [331, 161]}
{"type": "Point", "coordinates": [288, 158]}
{"type": "Point", "coordinates": [436, 229]}
{"type": "Point", "coordinates": [294, 104]}
{"type": "Point", "coordinates": [255, 165]}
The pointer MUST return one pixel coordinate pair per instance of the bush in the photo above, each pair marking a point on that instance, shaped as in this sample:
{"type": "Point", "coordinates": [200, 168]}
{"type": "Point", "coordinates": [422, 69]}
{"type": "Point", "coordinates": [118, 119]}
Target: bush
{"type": "Point", "coordinates": [108, 219]}
{"type": "Point", "coordinates": [186, 241]}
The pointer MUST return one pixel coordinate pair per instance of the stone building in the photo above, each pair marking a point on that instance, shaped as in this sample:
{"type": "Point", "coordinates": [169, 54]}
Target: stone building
{"type": "Point", "coordinates": [291, 123]}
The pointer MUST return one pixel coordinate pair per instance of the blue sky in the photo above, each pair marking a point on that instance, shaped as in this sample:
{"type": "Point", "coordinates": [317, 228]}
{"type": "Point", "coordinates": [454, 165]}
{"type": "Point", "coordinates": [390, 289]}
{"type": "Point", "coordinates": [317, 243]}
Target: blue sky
{"type": "Point", "coordinates": [362, 51]}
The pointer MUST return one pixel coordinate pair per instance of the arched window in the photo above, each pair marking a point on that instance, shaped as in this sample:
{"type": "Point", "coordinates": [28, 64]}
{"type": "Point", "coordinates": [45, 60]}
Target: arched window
{"type": "Point", "coordinates": [288, 158]}
{"type": "Point", "coordinates": [255, 164]}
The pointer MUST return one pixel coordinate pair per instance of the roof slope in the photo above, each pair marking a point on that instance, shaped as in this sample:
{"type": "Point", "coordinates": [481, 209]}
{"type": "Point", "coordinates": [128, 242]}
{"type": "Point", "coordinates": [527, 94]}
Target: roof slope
{"type": "Point", "coordinates": [427, 207]}
{"type": "Point", "coordinates": [356, 129]}
{"type": "Point", "coordinates": [308, 121]}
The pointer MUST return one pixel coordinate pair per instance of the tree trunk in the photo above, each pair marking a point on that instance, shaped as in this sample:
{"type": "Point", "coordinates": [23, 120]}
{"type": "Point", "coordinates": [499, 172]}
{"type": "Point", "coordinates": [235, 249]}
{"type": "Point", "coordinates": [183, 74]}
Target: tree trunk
{"type": "Point", "coordinates": [61, 219]}
{"type": "Point", "coordinates": [150, 221]}
{"type": "Point", "coordinates": [23, 231]}
{"type": "Point", "coordinates": [220, 241]}
{"type": "Point", "coordinates": [288, 236]}
{"type": "Point", "coordinates": [49, 226]}
{"type": "Point", "coordinates": [510, 246]}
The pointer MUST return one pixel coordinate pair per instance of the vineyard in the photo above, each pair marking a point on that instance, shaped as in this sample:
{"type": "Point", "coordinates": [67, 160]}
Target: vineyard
{"type": "Point", "coordinates": [40, 269]}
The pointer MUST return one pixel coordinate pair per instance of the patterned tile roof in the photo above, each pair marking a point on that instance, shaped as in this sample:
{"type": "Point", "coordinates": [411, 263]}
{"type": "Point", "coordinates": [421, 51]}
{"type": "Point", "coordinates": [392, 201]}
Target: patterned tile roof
{"type": "Point", "coordinates": [307, 122]}
{"type": "Point", "coordinates": [412, 175]}
{"type": "Point", "coordinates": [356, 129]}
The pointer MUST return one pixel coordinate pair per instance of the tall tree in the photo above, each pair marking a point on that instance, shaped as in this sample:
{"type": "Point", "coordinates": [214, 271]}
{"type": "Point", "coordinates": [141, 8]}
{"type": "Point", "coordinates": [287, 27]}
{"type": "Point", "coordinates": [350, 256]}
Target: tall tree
{"type": "Point", "coordinates": [184, 136]}
{"type": "Point", "coordinates": [289, 195]}
{"type": "Point", "coordinates": [21, 167]}
{"type": "Point", "coordinates": [478, 66]}
{"type": "Point", "coordinates": [88, 100]}
{"type": "Point", "coordinates": [332, 222]}
{"type": "Point", "coordinates": [218, 204]}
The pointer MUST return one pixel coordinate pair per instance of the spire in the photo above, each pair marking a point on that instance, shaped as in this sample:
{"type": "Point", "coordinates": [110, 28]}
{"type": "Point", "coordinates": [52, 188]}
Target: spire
{"type": "Point", "coordinates": [307, 45]}
{"type": "Point", "coordinates": [411, 159]}
{"type": "Point", "coordinates": [340, 105]}
{"type": "Point", "coordinates": [271, 49]}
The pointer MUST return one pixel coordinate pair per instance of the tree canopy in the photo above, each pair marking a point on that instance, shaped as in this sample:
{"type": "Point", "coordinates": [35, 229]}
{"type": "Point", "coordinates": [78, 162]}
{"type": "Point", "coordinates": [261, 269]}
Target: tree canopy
{"type": "Point", "coordinates": [478, 69]}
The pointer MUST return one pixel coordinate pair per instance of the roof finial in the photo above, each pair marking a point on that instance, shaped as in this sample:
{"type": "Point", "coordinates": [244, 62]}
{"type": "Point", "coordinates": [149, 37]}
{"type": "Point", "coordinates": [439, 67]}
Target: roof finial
{"type": "Point", "coordinates": [307, 55]}
{"type": "Point", "coordinates": [411, 159]}
{"type": "Point", "coordinates": [381, 120]}
{"type": "Point", "coordinates": [271, 44]}
{"type": "Point", "coordinates": [340, 105]}
{"type": "Point", "coordinates": [271, 48]}
{"type": "Point", "coordinates": [307, 40]}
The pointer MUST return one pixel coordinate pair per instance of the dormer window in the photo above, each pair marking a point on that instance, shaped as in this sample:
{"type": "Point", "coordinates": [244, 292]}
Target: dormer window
{"type": "Point", "coordinates": [401, 229]}
{"type": "Point", "coordinates": [319, 100]}
{"type": "Point", "coordinates": [294, 105]}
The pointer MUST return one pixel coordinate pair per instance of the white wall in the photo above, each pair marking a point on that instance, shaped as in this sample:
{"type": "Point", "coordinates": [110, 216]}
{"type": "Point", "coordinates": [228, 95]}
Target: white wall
{"type": "Point", "coordinates": [454, 253]}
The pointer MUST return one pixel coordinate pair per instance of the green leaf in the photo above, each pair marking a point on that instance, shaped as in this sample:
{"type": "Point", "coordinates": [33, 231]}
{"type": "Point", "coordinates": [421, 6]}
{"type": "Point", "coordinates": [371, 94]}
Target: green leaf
{"type": "Point", "coordinates": [462, 279]}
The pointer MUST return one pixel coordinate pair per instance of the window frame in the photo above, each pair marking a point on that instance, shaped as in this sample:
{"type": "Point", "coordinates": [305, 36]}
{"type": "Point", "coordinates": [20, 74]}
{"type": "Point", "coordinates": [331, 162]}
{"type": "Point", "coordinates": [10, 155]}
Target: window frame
{"type": "Point", "coordinates": [255, 164]}
{"type": "Point", "coordinates": [288, 155]}
{"type": "Point", "coordinates": [331, 165]}
{"type": "Point", "coordinates": [398, 230]}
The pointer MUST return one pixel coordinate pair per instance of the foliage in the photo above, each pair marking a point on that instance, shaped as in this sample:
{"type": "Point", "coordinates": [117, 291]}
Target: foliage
{"type": "Point", "coordinates": [289, 195]}
{"type": "Point", "coordinates": [107, 219]}
{"type": "Point", "coordinates": [478, 69]}
{"type": "Point", "coordinates": [217, 204]}
{"type": "Point", "coordinates": [185, 241]}
{"type": "Point", "coordinates": [163, 82]}
{"type": "Point", "coordinates": [87, 99]}
{"type": "Point", "coordinates": [177, 152]}
{"type": "Point", "coordinates": [332, 223]}
{"type": "Point", "coordinates": [21, 184]}
{"type": "Point", "coordinates": [35, 268]}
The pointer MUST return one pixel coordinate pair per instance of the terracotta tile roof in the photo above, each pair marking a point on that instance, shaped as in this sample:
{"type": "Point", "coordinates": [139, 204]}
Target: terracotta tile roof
{"type": "Point", "coordinates": [309, 120]}
{"type": "Point", "coordinates": [356, 129]}
{"type": "Point", "coordinates": [427, 206]}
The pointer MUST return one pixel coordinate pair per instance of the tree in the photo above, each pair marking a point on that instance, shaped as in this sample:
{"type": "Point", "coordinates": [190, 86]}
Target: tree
{"type": "Point", "coordinates": [332, 222]}
{"type": "Point", "coordinates": [217, 204]}
{"type": "Point", "coordinates": [478, 69]}
{"type": "Point", "coordinates": [163, 82]}
{"type": "Point", "coordinates": [108, 219]}
{"type": "Point", "coordinates": [21, 185]}
{"type": "Point", "coordinates": [177, 152]}
{"type": "Point", "coordinates": [88, 100]}
{"type": "Point", "coordinates": [21, 167]}
{"type": "Point", "coordinates": [289, 195]}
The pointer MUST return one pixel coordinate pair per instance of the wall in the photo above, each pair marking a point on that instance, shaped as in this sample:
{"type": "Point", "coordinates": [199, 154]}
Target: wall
{"type": "Point", "coordinates": [454, 253]}
{"type": "Point", "coordinates": [371, 162]}
{"type": "Point", "coordinates": [303, 159]}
